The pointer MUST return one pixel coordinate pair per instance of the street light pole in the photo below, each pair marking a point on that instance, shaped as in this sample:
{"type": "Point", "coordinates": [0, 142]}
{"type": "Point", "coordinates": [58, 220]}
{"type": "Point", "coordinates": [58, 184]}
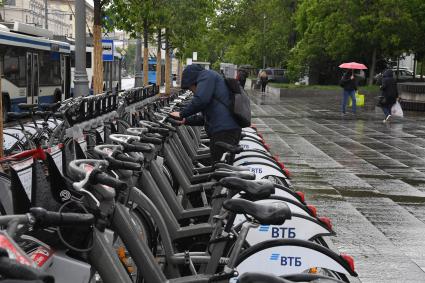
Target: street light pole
{"type": "Point", "coordinates": [46, 12]}
{"type": "Point", "coordinates": [81, 82]}
{"type": "Point", "coordinates": [264, 35]}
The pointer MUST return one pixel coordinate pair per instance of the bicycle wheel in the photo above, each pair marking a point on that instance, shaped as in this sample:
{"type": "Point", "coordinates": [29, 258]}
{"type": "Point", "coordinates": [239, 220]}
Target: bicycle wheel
{"type": "Point", "coordinates": [144, 230]}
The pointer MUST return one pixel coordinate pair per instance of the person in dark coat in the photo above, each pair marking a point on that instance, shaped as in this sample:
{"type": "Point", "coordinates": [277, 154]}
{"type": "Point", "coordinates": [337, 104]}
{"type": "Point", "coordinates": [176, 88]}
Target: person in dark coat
{"type": "Point", "coordinates": [242, 75]}
{"type": "Point", "coordinates": [212, 100]}
{"type": "Point", "coordinates": [349, 84]}
{"type": "Point", "coordinates": [389, 93]}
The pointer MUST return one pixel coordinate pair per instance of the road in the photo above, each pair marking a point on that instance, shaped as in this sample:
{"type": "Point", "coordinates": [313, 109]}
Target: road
{"type": "Point", "coordinates": [368, 177]}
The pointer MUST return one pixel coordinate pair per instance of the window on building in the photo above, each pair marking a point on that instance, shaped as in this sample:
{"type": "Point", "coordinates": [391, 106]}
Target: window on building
{"type": "Point", "coordinates": [10, 2]}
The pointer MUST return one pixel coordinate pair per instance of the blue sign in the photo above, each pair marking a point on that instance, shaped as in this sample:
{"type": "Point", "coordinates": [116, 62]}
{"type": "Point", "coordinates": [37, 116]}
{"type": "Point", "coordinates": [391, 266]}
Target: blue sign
{"type": "Point", "coordinates": [108, 50]}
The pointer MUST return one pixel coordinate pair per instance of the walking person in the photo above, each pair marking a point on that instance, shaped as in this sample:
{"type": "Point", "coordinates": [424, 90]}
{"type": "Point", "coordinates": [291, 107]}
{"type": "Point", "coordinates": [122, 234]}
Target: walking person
{"type": "Point", "coordinates": [389, 94]}
{"type": "Point", "coordinates": [349, 84]}
{"type": "Point", "coordinates": [264, 79]}
{"type": "Point", "coordinates": [242, 75]}
{"type": "Point", "coordinates": [210, 100]}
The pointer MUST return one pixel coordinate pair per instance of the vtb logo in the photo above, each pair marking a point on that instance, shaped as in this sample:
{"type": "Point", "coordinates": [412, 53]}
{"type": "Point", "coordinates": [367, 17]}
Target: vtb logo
{"type": "Point", "coordinates": [286, 260]}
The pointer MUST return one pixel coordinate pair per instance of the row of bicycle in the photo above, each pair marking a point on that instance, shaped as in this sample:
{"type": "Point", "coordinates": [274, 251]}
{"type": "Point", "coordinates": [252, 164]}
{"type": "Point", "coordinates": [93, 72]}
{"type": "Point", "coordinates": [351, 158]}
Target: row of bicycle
{"type": "Point", "coordinates": [135, 198]}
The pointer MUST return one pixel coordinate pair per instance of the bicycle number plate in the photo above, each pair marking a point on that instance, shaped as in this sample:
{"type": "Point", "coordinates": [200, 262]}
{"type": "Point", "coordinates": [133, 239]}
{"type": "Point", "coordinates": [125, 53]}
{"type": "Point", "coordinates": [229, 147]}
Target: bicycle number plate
{"type": "Point", "coordinates": [13, 250]}
{"type": "Point", "coordinates": [83, 144]}
{"type": "Point", "coordinates": [101, 132]}
{"type": "Point", "coordinates": [24, 171]}
{"type": "Point", "coordinates": [57, 156]}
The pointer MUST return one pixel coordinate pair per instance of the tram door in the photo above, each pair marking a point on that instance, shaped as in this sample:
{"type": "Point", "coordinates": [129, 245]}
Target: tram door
{"type": "Point", "coordinates": [66, 76]}
{"type": "Point", "coordinates": [32, 78]}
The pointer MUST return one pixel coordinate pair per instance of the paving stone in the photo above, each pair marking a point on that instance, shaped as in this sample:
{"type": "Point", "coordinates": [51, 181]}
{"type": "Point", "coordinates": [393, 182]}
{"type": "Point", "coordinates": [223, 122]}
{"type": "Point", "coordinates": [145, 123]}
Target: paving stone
{"type": "Point", "coordinates": [369, 177]}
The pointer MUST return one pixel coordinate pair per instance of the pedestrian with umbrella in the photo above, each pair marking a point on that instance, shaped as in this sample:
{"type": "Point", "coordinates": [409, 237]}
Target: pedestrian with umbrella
{"type": "Point", "coordinates": [349, 84]}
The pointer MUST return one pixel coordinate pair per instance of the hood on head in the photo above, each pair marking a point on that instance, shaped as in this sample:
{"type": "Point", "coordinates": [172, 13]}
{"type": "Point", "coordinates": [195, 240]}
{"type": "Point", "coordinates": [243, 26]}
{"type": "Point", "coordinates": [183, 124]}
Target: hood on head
{"type": "Point", "coordinates": [190, 75]}
{"type": "Point", "coordinates": [388, 74]}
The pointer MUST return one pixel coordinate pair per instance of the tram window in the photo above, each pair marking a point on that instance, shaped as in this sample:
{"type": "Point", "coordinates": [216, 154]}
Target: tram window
{"type": "Point", "coordinates": [50, 71]}
{"type": "Point", "coordinates": [14, 67]}
{"type": "Point", "coordinates": [88, 59]}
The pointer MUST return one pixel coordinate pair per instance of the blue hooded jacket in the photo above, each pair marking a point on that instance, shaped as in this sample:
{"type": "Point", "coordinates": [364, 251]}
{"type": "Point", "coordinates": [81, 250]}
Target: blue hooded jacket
{"type": "Point", "coordinates": [211, 90]}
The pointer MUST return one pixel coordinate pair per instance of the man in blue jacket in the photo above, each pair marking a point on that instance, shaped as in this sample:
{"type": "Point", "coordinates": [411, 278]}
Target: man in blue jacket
{"type": "Point", "coordinates": [212, 100]}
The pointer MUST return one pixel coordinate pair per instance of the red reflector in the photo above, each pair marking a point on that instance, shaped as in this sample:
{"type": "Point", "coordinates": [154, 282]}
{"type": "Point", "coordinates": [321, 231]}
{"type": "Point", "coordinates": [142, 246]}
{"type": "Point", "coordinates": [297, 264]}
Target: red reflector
{"type": "Point", "coordinates": [281, 165]}
{"type": "Point", "coordinates": [40, 154]}
{"type": "Point", "coordinates": [301, 195]}
{"type": "Point", "coordinates": [267, 147]}
{"type": "Point", "coordinates": [261, 136]}
{"type": "Point", "coordinates": [287, 172]}
{"type": "Point", "coordinates": [349, 259]}
{"type": "Point", "coordinates": [327, 222]}
{"type": "Point", "coordinates": [312, 209]}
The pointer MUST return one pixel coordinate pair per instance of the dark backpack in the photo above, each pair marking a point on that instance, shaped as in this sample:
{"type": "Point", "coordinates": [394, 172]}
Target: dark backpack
{"type": "Point", "coordinates": [240, 105]}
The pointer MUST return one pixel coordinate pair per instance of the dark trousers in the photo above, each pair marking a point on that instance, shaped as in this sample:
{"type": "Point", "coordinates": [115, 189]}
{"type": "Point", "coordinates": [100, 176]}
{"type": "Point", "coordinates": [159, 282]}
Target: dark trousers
{"type": "Point", "coordinates": [231, 137]}
{"type": "Point", "coordinates": [263, 86]}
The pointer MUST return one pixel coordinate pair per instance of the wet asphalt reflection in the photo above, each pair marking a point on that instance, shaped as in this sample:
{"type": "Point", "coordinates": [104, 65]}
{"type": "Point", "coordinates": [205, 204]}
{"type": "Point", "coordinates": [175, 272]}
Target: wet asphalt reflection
{"type": "Point", "coordinates": [367, 176]}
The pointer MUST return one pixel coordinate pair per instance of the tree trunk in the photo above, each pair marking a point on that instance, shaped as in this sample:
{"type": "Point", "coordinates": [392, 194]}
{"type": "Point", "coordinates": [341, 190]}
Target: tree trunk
{"type": "Point", "coordinates": [97, 50]}
{"type": "Point", "coordinates": [167, 65]}
{"type": "Point", "coordinates": [158, 60]}
{"type": "Point", "coordinates": [180, 71]}
{"type": "Point", "coordinates": [145, 53]}
{"type": "Point", "coordinates": [372, 68]}
{"type": "Point", "coordinates": [414, 66]}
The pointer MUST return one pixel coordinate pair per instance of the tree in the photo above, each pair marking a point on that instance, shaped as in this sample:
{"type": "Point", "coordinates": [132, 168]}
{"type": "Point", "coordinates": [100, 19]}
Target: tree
{"type": "Point", "coordinates": [97, 42]}
{"type": "Point", "coordinates": [332, 31]}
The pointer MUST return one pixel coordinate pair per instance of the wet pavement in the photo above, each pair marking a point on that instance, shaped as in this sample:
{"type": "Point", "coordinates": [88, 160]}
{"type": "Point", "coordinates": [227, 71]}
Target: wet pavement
{"type": "Point", "coordinates": [367, 176]}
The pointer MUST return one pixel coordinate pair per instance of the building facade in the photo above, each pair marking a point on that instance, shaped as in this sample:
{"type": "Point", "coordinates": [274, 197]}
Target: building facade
{"type": "Point", "coordinates": [61, 15]}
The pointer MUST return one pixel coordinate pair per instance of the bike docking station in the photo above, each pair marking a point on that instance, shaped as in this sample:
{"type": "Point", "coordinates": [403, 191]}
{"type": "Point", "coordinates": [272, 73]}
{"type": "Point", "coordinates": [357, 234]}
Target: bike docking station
{"type": "Point", "coordinates": [163, 213]}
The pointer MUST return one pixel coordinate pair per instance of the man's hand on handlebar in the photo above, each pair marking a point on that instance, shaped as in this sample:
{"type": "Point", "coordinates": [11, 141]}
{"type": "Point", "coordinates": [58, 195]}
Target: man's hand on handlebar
{"type": "Point", "coordinates": [176, 116]}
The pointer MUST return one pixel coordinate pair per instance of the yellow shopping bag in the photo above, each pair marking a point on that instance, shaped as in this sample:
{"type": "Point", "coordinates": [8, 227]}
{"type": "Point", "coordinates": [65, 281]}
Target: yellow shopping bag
{"type": "Point", "coordinates": [359, 100]}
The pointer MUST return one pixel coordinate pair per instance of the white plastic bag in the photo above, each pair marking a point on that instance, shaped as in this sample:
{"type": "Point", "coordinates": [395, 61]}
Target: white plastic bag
{"type": "Point", "coordinates": [396, 110]}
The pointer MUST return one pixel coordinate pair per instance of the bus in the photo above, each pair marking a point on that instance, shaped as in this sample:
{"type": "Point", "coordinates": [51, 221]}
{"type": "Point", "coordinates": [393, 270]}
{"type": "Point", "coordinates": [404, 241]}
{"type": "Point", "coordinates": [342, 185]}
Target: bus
{"type": "Point", "coordinates": [152, 70]}
{"type": "Point", "coordinates": [34, 68]}
{"type": "Point", "coordinates": [116, 67]}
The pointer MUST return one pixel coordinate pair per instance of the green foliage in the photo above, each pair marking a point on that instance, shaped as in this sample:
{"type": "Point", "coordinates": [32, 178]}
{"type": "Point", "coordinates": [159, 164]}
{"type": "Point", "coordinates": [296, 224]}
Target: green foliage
{"type": "Point", "coordinates": [305, 36]}
{"type": "Point", "coordinates": [340, 30]}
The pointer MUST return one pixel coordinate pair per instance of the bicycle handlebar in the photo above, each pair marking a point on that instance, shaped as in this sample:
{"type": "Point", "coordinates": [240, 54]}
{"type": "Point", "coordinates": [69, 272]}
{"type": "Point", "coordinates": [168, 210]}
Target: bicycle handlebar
{"type": "Point", "coordinates": [136, 146]}
{"type": "Point", "coordinates": [125, 165]}
{"type": "Point", "coordinates": [11, 269]}
{"type": "Point", "coordinates": [99, 177]}
{"type": "Point", "coordinates": [46, 218]}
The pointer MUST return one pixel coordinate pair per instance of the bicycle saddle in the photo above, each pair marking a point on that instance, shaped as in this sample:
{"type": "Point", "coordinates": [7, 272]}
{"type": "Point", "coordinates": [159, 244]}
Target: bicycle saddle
{"type": "Point", "coordinates": [250, 277]}
{"type": "Point", "coordinates": [17, 115]}
{"type": "Point", "coordinates": [220, 174]}
{"type": "Point", "coordinates": [25, 106]}
{"type": "Point", "coordinates": [256, 189]}
{"type": "Point", "coordinates": [266, 214]}
{"type": "Point", "coordinates": [234, 149]}
{"type": "Point", "coordinates": [50, 106]}
{"type": "Point", "coordinates": [229, 167]}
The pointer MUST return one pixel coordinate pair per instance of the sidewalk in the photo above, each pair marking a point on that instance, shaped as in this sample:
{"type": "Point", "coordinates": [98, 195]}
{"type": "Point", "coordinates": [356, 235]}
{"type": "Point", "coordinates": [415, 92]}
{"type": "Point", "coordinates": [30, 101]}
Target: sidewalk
{"type": "Point", "coordinates": [368, 177]}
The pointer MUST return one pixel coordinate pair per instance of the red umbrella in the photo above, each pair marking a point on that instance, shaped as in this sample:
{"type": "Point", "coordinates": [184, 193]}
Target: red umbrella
{"type": "Point", "coordinates": [353, 65]}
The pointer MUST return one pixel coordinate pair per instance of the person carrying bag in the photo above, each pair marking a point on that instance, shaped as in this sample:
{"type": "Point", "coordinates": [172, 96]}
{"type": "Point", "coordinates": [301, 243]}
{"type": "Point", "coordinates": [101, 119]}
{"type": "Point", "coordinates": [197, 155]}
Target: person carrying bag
{"type": "Point", "coordinates": [389, 94]}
